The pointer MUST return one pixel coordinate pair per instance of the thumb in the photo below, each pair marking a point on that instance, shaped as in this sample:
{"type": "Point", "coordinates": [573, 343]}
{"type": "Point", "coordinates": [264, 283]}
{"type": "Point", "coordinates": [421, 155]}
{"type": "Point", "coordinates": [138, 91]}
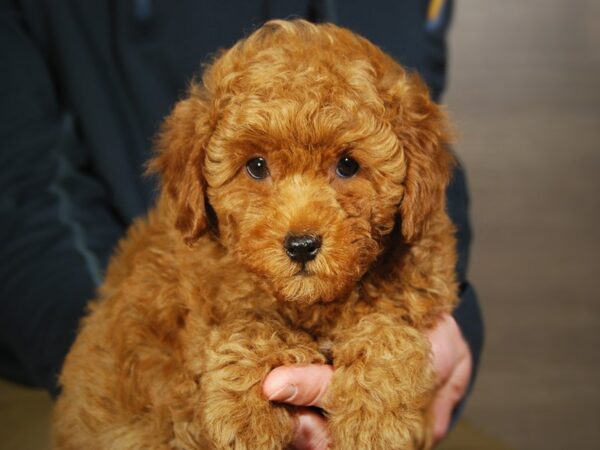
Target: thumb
{"type": "Point", "coordinates": [299, 385]}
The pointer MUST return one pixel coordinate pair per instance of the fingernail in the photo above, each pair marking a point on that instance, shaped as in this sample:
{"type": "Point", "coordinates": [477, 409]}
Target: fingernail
{"type": "Point", "coordinates": [284, 394]}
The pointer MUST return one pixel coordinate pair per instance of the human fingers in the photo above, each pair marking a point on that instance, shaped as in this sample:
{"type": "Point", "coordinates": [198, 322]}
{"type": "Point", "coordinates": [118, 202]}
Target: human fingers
{"type": "Point", "coordinates": [449, 395]}
{"type": "Point", "coordinates": [445, 339]}
{"type": "Point", "coordinates": [453, 365]}
{"type": "Point", "coordinates": [299, 385]}
{"type": "Point", "coordinates": [310, 431]}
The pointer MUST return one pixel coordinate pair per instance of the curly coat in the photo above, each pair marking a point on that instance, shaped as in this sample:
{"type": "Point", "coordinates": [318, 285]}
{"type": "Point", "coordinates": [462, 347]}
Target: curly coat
{"type": "Point", "coordinates": [201, 300]}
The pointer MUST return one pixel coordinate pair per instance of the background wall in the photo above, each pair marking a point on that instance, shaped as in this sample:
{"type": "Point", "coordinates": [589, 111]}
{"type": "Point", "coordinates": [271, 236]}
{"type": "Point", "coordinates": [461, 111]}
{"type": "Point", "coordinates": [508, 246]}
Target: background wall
{"type": "Point", "coordinates": [525, 95]}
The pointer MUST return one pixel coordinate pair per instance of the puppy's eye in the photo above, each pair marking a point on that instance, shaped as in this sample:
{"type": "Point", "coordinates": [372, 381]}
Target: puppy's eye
{"type": "Point", "coordinates": [257, 168]}
{"type": "Point", "coordinates": [346, 167]}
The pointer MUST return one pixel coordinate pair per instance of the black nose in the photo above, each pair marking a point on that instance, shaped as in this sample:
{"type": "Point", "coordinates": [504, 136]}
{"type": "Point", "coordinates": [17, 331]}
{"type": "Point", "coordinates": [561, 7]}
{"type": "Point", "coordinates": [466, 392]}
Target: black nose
{"type": "Point", "coordinates": [302, 248]}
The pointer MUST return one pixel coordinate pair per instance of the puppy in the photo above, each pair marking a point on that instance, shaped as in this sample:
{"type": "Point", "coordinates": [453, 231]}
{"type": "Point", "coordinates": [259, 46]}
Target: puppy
{"type": "Point", "coordinates": [301, 219]}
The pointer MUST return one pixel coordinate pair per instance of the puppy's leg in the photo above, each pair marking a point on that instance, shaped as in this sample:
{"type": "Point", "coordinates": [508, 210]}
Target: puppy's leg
{"type": "Point", "coordinates": [115, 403]}
{"type": "Point", "coordinates": [382, 386]}
{"type": "Point", "coordinates": [126, 382]}
{"type": "Point", "coordinates": [240, 355]}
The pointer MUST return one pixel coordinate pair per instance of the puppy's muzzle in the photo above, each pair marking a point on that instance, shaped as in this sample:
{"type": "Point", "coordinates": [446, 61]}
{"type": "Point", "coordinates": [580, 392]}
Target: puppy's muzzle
{"type": "Point", "coordinates": [302, 248]}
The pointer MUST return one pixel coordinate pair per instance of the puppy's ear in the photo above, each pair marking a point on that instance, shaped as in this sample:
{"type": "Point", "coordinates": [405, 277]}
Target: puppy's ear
{"type": "Point", "coordinates": [424, 135]}
{"type": "Point", "coordinates": [179, 161]}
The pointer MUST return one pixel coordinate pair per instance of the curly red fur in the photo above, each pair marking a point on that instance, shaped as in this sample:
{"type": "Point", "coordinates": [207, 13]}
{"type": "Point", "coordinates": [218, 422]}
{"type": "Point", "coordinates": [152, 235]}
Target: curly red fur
{"type": "Point", "coordinates": [201, 300]}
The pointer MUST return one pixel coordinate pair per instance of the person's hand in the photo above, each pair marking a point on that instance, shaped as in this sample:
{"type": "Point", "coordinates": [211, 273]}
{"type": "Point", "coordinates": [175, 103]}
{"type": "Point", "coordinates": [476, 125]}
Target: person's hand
{"type": "Point", "coordinates": [307, 386]}
{"type": "Point", "coordinates": [303, 386]}
{"type": "Point", "coordinates": [453, 365]}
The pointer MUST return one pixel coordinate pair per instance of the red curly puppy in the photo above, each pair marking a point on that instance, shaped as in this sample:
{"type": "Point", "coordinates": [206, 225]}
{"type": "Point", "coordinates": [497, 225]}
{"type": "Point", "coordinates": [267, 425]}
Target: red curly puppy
{"type": "Point", "coordinates": [301, 220]}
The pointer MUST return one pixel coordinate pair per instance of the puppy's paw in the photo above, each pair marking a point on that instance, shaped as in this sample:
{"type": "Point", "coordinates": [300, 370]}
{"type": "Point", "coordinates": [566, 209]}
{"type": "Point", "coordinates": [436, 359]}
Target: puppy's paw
{"type": "Point", "coordinates": [236, 415]}
{"type": "Point", "coordinates": [382, 387]}
{"type": "Point", "coordinates": [380, 430]}
{"type": "Point", "coordinates": [246, 421]}
{"type": "Point", "coordinates": [374, 408]}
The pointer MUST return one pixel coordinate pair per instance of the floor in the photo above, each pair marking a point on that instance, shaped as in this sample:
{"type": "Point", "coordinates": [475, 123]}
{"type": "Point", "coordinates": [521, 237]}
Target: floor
{"type": "Point", "coordinates": [525, 97]}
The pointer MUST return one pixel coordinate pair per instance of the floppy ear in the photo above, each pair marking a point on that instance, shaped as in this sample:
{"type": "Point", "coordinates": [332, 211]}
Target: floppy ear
{"type": "Point", "coordinates": [179, 161]}
{"type": "Point", "coordinates": [424, 136]}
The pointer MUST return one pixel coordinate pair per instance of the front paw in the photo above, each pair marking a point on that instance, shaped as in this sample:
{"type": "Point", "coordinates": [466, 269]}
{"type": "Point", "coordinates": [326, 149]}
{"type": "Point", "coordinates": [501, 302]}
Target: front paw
{"type": "Point", "coordinates": [371, 410]}
{"type": "Point", "coordinates": [367, 429]}
{"type": "Point", "coordinates": [236, 420]}
{"type": "Point", "coordinates": [382, 387]}
{"type": "Point", "coordinates": [235, 414]}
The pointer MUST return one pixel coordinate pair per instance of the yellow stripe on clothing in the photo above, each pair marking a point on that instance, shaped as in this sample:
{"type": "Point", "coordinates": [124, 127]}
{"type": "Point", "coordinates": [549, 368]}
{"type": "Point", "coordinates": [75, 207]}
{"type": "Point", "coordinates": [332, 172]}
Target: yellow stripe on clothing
{"type": "Point", "coordinates": [434, 10]}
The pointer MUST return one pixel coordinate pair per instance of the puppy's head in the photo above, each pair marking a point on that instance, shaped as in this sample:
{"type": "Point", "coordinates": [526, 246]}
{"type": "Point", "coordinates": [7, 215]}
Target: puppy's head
{"type": "Point", "coordinates": [308, 144]}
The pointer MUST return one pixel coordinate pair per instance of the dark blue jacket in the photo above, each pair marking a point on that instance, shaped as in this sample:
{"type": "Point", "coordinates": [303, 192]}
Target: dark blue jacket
{"type": "Point", "coordinates": [83, 89]}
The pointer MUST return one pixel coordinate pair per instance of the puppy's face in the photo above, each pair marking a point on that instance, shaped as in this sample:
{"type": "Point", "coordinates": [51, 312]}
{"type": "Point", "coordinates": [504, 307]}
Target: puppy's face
{"type": "Point", "coordinates": [304, 193]}
{"type": "Point", "coordinates": [308, 144]}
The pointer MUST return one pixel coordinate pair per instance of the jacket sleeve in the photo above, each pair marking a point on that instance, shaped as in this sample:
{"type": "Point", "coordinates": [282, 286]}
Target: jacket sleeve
{"type": "Point", "coordinates": [56, 225]}
{"type": "Point", "coordinates": [467, 314]}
